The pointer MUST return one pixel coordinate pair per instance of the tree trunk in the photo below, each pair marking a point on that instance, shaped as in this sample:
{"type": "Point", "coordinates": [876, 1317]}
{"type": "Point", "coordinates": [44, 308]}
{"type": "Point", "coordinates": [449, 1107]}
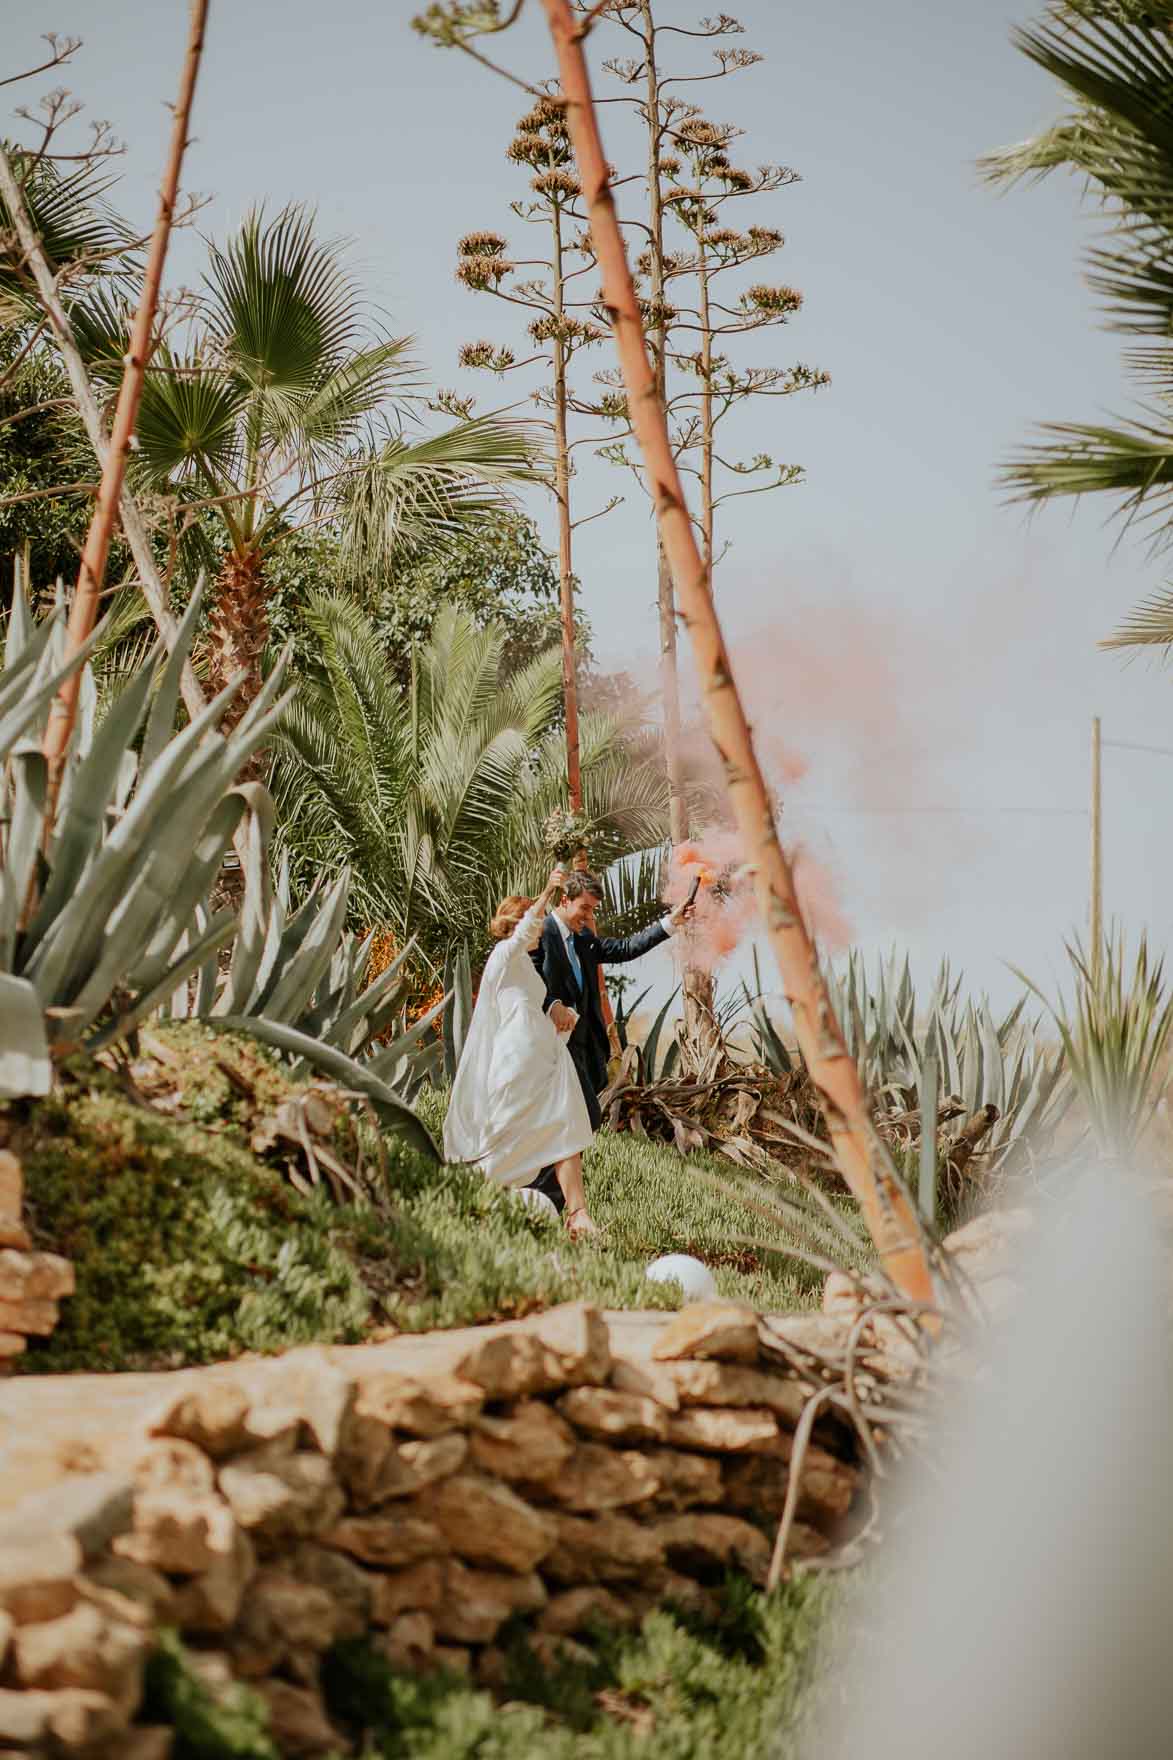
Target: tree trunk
{"type": "Point", "coordinates": [859, 1152]}
{"type": "Point", "coordinates": [238, 629]}
{"type": "Point", "coordinates": [565, 569]}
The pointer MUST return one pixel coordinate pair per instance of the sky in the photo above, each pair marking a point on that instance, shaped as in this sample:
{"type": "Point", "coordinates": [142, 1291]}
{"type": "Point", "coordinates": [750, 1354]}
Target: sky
{"type": "Point", "coordinates": [927, 650]}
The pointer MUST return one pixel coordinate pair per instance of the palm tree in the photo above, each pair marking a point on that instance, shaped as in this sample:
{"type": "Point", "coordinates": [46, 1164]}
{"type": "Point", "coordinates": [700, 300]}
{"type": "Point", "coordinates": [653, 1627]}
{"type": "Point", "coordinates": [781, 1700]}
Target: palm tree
{"type": "Point", "coordinates": [1115, 59]}
{"type": "Point", "coordinates": [282, 411]}
{"type": "Point", "coordinates": [435, 793]}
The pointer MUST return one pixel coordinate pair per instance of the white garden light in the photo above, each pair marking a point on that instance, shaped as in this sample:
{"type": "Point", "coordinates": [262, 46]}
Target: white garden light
{"type": "Point", "coordinates": [695, 1279]}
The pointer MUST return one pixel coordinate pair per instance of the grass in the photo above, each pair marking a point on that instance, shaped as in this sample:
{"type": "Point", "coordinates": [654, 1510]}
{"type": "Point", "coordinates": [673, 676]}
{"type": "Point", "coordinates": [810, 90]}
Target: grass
{"type": "Point", "coordinates": [675, 1688]}
{"type": "Point", "coordinates": [164, 1183]}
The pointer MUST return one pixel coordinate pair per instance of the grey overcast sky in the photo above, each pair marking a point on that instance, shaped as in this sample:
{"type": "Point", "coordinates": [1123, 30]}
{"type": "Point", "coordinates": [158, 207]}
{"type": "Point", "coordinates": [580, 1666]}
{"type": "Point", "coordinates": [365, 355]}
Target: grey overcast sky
{"type": "Point", "coordinates": [929, 653]}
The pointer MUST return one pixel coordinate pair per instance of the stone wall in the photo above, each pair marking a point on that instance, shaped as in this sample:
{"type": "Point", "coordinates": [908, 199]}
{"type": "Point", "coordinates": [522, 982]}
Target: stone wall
{"type": "Point", "coordinates": [31, 1284]}
{"type": "Point", "coordinates": [565, 1469]}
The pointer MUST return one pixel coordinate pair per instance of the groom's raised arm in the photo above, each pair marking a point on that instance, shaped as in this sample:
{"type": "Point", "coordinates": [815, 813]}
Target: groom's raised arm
{"type": "Point", "coordinates": [616, 951]}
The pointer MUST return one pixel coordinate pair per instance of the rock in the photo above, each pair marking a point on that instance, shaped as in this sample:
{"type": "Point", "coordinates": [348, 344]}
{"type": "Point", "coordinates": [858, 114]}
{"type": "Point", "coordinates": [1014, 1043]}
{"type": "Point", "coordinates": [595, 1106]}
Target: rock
{"type": "Point", "coordinates": [614, 1416]}
{"type": "Point", "coordinates": [14, 1234]}
{"type": "Point", "coordinates": [532, 1444]}
{"type": "Point", "coordinates": [429, 1460]}
{"type": "Point", "coordinates": [376, 1470]}
{"type": "Point", "coordinates": [476, 1604]}
{"type": "Point", "coordinates": [38, 1581]}
{"type": "Point", "coordinates": [350, 1588]}
{"type": "Point", "coordinates": [389, 1541]}
{"type": "Point", "coordinates": [92, 1507]}
{"type": "Point", "coordinates": [444, 1402]}
{"type": "Point", "coordinates": [297, 1720]}
{"type": "Point", "coordinates": [169, 1463]}
{"type": "Point", "coordinates": [510, 1365]}
{"type": "Point", "coordinates": [577, 1610]}
{"type": "Point", "coordinates": [35, 1319]}
{"type": "Point", "coordinates": [12, 1344]}
{"type": "Point", "coordinates": [554, 1651]}
{"type": "Point", "coordinates": [576, 1336]}
{"type": "Point", "coordinates": [729, 1384]}
{"type": "Point", "coordinates": [491, 1668]}
{"type": "Point", "coordinates": [310, 1391]}
{"type": "Point", "coordinates": [210, 1601]}
{"type": "Point", "coordinates": [985, 1245]}
{"type": "Point", "coordinates": [72, 1720]}
{"type": "Point", "coordinates": [82, 1649]}
{"type": "Point", "coordinates": [280, 1614]}
{"type": "Point", "coordinates": [11, 1185]}
{"type": "Point", "coordinates": [601, 1549]}
{"type": "Point", "coordinates": [176, 1532]}
{"type": "Point", "coordinates": [708, 1542]}
{"type": "Point", "coordinates": [485, 1523]}
{"type": "Point", "coordinates": [724, 1331]}
{"type": "Point", "coordinates": [670, 1589]}
{"type": "Point", "coordinates": [420, 1588]}
{"type": "Point", "coordinates": [213, 1416]}
{"type": "Point", "coordinates": [296, 1498]}
{"type": "Point", "coordinates": [452, 1658]}
{"type": "Point", "coordinates": [725, 1431]}
{"type": "Point", "coordinates": [147, 1741]}
{"type": "Point", "coordinates": [757, 1484]}
{"type": "Point", "coordinates": [598, 1478]}
{"type": "Point", "coordinates": [652, 1380]}
{"type": "Point", "coordinates": [148, 1588]}
{"type": "Point", "coordinates": [7, 1627]}
{"type": "Point", "coordinates": [31, 1277]}
{"type": "Point", "coordinates": [685, 1479]}
{"type": "Point", "coordinates": [410, 1641]}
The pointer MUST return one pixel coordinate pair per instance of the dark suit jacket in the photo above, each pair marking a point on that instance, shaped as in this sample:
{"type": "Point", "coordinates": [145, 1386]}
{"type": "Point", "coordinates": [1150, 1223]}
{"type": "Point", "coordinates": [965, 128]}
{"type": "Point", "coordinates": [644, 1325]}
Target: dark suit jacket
{"type": "Point", "coordinates": [588, 1042]}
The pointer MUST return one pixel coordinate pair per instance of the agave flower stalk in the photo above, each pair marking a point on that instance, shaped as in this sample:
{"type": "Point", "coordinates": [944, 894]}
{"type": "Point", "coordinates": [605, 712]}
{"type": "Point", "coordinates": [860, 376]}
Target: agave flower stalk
{"type": "Point", "coordinates": [866, 1167]}
{"type": "Point", "coordinates": [87, 597]}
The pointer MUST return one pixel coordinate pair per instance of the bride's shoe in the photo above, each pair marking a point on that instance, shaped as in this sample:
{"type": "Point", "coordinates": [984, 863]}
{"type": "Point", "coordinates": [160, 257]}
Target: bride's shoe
{"type": "Point", "coordinates": [580, 1226]}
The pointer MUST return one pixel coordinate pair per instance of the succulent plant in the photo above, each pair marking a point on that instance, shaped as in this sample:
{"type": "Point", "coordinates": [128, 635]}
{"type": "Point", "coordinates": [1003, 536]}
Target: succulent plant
{"type": "Point", "coordinates": [104, 913]}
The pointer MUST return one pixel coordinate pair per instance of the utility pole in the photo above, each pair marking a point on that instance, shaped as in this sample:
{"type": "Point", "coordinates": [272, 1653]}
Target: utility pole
{"type": "Point", "coordinates": [1096, 909]}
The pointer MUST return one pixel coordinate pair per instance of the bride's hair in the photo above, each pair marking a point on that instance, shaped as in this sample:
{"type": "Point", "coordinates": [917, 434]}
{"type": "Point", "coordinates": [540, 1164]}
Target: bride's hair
{"type": "Point", "coordinates": [508, 915]}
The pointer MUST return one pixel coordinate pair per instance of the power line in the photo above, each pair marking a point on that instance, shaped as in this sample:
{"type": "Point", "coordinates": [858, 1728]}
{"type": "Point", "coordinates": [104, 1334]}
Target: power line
{"type": "Point", "coordinates": [1061, 812]}
{"type": "Point", "coordinates": [1132, 745]}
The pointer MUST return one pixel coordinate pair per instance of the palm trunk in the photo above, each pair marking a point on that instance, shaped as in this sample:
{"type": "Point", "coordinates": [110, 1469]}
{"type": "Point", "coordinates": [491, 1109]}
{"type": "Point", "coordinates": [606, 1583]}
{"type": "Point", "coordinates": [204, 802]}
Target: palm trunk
{"type": "Point", "coordinates": [83, 612]}
{"type": "Point", "coordinates": [860, 1154]}
{"type": "Point", "coordinates": [565, 570]}
{"type": "Point", "coordinates": [238, 628]}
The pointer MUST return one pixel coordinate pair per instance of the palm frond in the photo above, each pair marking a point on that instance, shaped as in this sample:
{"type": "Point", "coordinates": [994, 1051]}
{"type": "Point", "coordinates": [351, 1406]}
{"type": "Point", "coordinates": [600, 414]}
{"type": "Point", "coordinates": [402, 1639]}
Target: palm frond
{"type": "Point", "coordinates": [1150, 625]}
{"type": "Point", "coordinates": [403, 497]}
{"type": "Point", "coordinates": [1135, 461]}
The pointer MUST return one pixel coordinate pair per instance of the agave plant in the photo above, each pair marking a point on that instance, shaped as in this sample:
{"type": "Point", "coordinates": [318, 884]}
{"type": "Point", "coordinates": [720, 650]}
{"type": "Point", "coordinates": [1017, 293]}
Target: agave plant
{"type": "Point", "coordinates": [992, 1074]}
{"type": "Point", "coordinates": [1115, 1037]}
{"type": "Point", "coordinates": [104, 916]}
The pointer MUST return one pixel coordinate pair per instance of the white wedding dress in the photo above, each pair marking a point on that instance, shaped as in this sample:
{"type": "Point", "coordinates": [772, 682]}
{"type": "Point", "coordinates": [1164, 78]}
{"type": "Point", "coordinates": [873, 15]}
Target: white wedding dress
{"type": "Point", "coordinates": [516, 1102]}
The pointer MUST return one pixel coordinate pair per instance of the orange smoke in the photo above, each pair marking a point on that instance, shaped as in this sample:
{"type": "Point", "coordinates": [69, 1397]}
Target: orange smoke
{"type": "Point", "coordinates": [725, 911]}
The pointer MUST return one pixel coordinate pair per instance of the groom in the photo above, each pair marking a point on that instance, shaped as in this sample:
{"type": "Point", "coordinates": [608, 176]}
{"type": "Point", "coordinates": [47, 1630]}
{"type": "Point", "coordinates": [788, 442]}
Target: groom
{"type": "Point", "coordinates": [568, 958]}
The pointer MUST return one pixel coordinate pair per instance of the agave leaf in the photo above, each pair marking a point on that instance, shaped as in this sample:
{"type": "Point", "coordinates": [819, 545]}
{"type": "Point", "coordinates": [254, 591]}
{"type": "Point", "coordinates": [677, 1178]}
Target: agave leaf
{"type": "Point", "coordinates": [362, 1010]}
{"type": "Point", "coordinates": [29, 777]}
{"type": "Point", "coordinates": [651, 1044]}
{"type": "Point", "coordinates": [241, 988]}
{"type": "Point", "coordinates": [25, 1067]}
{"type": "Point", "coordinates": [298, 976]}
{"type": "Point", "coordinates": [22, 633]}
{"type": "Point", "coordinates": [161, 723]}
{"type": "Point", "coordinates": [15, 722]}
{"type": "Point", "coordinates": [458, 1009]}
{"type": "Point", "coordinates": [406, 1042]}
{"type": "Point", "coordinates": [393, 1113]}
{"type": "Point", "coordinates": [194, 886]}
{"type": "Point", "coordinates": [218, 932]}
{"type": "Point", "coordinates": [81, 820]}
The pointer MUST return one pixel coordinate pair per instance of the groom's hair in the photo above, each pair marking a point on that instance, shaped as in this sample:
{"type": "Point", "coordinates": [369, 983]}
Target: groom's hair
{"type": "Point", "coordinates": [580, 881]}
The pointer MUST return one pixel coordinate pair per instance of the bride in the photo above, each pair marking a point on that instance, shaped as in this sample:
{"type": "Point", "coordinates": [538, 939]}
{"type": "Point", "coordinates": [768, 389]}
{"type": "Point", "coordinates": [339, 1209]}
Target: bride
{"type": "Point", "coordinates": [517, 1104]}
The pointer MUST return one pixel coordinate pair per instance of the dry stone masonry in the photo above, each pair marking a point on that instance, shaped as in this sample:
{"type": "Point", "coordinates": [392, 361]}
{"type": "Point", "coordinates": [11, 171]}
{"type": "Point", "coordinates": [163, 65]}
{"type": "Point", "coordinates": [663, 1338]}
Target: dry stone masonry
{"type": "Point", "coordinates": [31, 1284]}
{"type": "Point", "coordinates": [572, 1468]}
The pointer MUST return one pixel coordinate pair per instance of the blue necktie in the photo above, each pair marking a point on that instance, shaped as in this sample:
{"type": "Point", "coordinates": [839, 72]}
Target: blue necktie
{"type": "Point", "coordinates": [572, 956]}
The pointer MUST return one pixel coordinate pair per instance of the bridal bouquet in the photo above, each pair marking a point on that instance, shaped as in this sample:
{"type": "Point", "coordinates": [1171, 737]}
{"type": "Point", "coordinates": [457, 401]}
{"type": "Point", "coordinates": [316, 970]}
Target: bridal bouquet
{"type": "Point", "coordinates": [564, 834]}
